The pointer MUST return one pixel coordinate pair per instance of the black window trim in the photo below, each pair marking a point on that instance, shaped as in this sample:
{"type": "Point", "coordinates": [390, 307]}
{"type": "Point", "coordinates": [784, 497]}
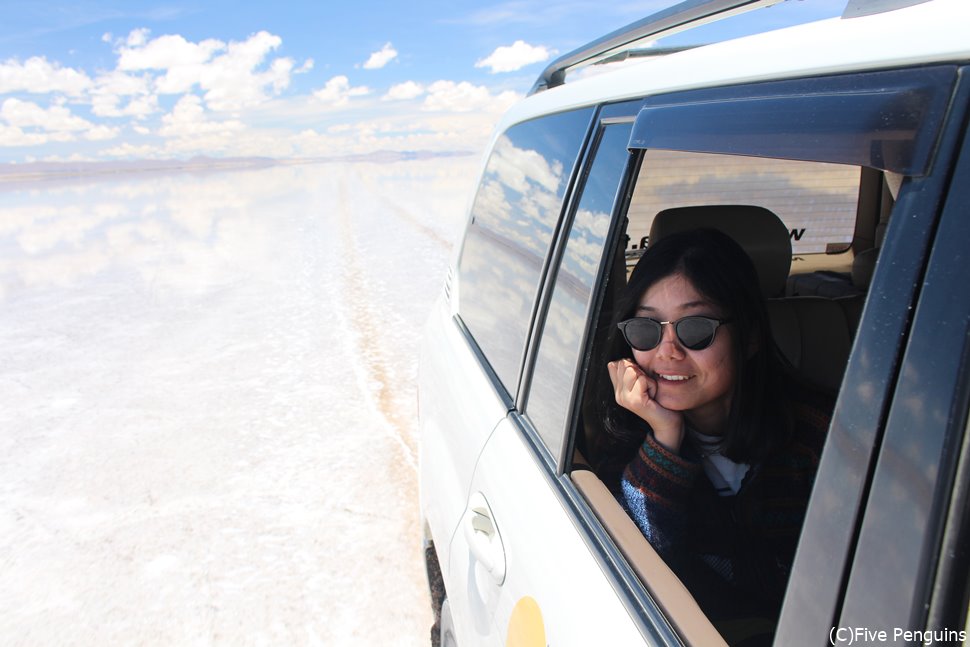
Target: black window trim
{"type": "Point", "coordinates": [559, 457]}
{"type": "Point", "coordinates": [936, 436]}
{"type": "Point", "coordinates": [554, 255]}
{"type": "Point", "coordinates": [895, 127]}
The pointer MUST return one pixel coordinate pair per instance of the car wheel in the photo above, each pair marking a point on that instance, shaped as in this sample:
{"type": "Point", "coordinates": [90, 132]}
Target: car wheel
{"type": "Point", "coordinates": [447, 626]}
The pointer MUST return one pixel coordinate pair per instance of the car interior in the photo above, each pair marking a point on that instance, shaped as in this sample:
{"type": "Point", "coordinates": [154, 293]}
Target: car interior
{"type": "Point", "coordinates": [815, 300]}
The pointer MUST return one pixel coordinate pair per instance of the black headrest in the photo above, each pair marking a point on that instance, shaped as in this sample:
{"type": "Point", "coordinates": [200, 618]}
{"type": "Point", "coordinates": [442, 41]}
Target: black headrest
{"type": "Point", "coordinates": [757, 230]}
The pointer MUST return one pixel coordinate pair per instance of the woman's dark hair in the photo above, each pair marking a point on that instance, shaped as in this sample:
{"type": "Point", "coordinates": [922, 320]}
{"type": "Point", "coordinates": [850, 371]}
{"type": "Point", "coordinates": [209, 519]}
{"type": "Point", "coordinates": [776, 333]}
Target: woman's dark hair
{"type": "Point", "coordinates": [722, 272]}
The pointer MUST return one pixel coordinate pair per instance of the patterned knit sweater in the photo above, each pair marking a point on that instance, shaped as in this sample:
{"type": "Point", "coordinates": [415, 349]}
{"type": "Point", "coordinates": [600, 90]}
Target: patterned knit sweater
{"type": "Point", "coordinates": [734, 553]}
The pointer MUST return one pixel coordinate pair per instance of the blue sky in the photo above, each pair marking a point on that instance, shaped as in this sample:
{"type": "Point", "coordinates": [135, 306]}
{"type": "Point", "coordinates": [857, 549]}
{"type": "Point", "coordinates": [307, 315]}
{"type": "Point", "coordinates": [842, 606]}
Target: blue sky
{"type": "Point", "coordinates": [109, 80]}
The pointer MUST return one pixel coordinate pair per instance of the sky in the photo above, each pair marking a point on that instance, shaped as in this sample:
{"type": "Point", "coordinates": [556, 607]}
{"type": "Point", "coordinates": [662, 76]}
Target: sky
{"type": "Point", "coordinates": [103, 80]}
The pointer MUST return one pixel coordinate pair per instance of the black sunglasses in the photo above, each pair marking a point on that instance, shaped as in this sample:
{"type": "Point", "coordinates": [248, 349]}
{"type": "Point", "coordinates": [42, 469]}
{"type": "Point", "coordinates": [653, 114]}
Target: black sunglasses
{"type": "Point", "coordinates": [694, 333]}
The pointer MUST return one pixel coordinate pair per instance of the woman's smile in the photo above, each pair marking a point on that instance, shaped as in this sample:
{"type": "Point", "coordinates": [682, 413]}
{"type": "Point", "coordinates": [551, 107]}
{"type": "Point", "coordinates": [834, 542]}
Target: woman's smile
{"type": "Point", "coordinates": [672, 378]}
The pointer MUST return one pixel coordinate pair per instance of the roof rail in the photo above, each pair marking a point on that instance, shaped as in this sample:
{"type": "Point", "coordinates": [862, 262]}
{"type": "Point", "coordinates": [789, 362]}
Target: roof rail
{"type": "Point", "coordinates": [689, 13]}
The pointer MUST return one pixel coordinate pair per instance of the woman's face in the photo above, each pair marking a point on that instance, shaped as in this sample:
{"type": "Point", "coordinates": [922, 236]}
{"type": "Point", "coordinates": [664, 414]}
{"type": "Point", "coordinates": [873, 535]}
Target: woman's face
{"type": "Point", "coordinates": [698, 382]}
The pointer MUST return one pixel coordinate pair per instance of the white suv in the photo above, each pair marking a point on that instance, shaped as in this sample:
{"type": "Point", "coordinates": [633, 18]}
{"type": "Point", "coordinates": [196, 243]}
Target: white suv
{"type": "Point", "coordinates": [852, 131]}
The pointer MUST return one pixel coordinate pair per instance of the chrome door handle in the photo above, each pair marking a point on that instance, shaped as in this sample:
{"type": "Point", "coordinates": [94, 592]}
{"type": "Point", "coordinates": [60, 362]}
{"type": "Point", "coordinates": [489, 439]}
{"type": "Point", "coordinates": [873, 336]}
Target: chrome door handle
{"type": "Point", "coordinates": [483, 537]}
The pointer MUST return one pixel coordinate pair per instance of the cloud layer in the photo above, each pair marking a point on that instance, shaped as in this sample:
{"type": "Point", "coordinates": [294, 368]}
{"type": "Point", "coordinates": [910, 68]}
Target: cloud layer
{"type": "Point", "coordinates": [168, 95]}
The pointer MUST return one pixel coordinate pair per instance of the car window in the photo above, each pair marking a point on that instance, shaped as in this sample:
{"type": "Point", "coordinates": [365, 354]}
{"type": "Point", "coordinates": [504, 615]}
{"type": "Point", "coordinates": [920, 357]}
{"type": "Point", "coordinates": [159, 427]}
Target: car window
{"type": "Point", "coordinates": [816, 201]}
{"type": "Point", "coordinates": [564, 326]}
{"type": "Point", "coordinates": [812, 195]}
{"type": "Point", "coordinates": [513, 219]}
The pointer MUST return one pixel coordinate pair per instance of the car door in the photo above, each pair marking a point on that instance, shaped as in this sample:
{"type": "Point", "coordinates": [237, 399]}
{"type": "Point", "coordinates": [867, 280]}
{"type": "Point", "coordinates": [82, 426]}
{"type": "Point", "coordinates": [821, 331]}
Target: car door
{"type": "Point", "coordinates": [536, 572]}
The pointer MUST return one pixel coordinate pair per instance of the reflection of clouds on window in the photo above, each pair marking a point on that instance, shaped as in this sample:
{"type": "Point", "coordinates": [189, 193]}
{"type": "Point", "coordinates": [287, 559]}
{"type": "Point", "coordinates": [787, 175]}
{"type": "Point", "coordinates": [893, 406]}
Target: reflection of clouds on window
{"type": "Point", "coordinates": [491, 205]}
{"type": "Point", "coordinates": [520, 193]}
{"type": "Point", "coordinates": [565, 324]}
{"type": "Point", "coordinates": [560, 346]}
{"type": "Point", "coordinates": [520, 169]}
{"type": "Point", "coordinates": [589, 231]}
{"type": "Point", "coordinates": [514, 216]}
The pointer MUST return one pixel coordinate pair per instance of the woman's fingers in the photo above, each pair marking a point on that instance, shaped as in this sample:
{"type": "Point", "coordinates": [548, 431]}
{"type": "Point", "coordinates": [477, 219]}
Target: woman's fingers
{"type": "Point", "coordinates": [636, 392]}
{"type": "Point", "coordinates": [633, 389]}
{"type": "Point", "coordinates": [636, 385]}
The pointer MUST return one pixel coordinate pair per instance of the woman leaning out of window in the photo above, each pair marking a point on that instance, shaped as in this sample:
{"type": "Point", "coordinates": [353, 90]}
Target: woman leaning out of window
{"type": "Point", "coordinates": [711, 443]}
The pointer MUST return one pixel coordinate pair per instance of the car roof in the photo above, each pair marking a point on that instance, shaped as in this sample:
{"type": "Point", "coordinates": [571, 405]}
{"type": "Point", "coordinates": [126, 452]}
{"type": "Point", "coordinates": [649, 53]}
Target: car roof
{"type": "Point", "coordinates": [926, 33]}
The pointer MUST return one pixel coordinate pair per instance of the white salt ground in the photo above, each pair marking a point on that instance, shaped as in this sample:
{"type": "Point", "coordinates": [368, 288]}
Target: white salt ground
{"type": "Point", "coordinates": [207, 404]}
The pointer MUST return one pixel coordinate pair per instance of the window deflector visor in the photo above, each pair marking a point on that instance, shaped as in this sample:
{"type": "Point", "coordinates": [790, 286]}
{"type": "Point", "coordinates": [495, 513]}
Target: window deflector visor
{"type": "Point", "coordinates": [885, 120]}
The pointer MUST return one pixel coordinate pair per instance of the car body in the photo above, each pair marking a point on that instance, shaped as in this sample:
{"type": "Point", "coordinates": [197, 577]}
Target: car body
{"type": "Point", "coordinates": [853, 130]}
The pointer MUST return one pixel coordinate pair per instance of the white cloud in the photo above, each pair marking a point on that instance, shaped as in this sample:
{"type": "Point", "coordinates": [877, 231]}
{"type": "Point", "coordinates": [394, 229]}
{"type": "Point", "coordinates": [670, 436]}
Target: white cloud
{"type": "Point", "coordinates": [510, 58]}
{"type": "Point", "coordinates": [229, 74]}
{"type": "Point", "coordinates": [381, 58]}
{"type": "Point", "coordinates": [100, 133]}
{"type": "Point", "coordinates": [38, 76]}
{"type": "Point", "coordinates": [120, 83]}
{"type": "Point", "coordinates": [141, 107]}
{"type": "Point", "coordinates": [338, 91]}
{"type": "Point", "coordinates": [138, 37]}
{"type": "Point", "coordinates": [112, 87]}
{"type": "Point", "coordinates": [210, 78]}
{"type": "Point", "coordinates": [188, 120]}
{"type": "Point", "coordinates": [26, 114]}
{"type": "Point", "coordinates": [232, 82]}
{"type": "Point", "coordinates": [189, 131]}
{"type": "Point", "coordinates": [28, 124]}
{"type": "Point", "coordinates": [404, 91]}
{"type": "Point", "coordinates": [14, 136]}
{"type": "Point", "coordinates": [449, 96]}
{"type": "Point", "coordinates": [164, 52]}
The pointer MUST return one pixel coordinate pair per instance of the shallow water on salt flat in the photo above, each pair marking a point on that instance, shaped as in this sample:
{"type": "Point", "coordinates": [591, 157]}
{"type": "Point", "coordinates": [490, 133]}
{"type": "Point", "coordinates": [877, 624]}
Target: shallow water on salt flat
{"type": "Point", "coordinates": [207, 403]}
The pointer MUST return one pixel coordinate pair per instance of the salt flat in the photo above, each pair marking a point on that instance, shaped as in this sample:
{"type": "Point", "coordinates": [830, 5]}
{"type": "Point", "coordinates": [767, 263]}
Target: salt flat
{"type": "Point", "coordinates": [207, 403]}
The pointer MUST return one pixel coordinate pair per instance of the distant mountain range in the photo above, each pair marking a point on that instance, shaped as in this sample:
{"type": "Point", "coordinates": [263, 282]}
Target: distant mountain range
{"type": "Point", "coordinates": [51, 170]}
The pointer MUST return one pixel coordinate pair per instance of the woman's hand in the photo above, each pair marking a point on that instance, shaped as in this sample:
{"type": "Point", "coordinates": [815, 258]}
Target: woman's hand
{"type": "Point", "coordinates": [636, 392]}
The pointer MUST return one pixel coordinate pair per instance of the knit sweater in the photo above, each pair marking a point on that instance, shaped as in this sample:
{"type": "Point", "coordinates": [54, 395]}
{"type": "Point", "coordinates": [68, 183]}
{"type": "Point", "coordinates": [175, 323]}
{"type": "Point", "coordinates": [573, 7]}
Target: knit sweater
{"type": "Point", "coordinates": [734, 553]}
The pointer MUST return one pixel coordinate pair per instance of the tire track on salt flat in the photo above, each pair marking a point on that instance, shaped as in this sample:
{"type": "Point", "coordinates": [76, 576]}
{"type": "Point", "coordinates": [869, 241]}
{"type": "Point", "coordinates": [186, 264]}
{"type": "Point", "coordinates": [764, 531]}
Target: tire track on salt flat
{"type": "Point", "coordinates": [406, 216]}
{"type": "Point", "coordinates": [375, 375]}
{"type": "Point", "coordinates": [377, 378]}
